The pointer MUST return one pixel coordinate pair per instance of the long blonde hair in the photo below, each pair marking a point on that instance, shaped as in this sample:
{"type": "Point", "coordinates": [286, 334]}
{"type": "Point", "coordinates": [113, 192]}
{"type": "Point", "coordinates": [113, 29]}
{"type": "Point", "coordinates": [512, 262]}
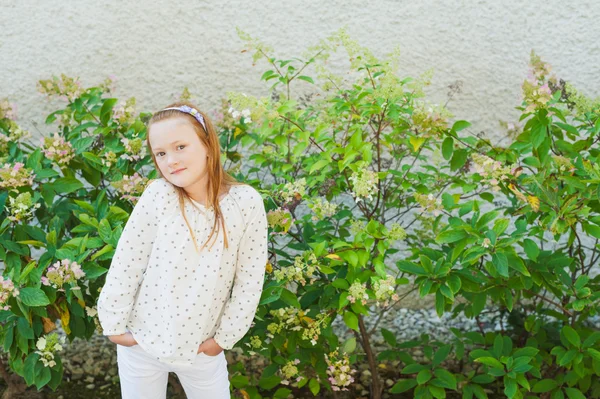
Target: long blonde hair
{"type": "Point", "coordinates": [218, 178]}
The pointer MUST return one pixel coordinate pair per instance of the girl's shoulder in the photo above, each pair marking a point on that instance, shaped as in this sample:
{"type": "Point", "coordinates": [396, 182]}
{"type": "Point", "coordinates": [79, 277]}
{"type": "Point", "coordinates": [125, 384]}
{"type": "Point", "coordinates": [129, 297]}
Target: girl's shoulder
{"type": "Point", "coordinates": [159, 186]}
{"type": "Point", "coordinates": [160, 191]}
{"type": "Point", "coordinates": [247, 197]}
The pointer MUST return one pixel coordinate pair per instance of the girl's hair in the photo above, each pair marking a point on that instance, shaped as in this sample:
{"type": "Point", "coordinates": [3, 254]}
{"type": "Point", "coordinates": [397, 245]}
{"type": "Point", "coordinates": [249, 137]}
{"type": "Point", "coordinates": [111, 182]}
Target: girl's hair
{"type": "Point", "coordinates": [217, 177]}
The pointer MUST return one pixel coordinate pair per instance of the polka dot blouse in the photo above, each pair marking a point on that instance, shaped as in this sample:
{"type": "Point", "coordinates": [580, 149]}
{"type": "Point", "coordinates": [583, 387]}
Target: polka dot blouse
{"type": "Point", "coordinates": [173, 298]}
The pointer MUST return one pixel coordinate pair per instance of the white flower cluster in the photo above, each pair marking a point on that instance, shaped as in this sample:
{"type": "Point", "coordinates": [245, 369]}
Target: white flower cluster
{"type": "Point", "coordinates": [57, 149]}
{"type": "Point", "coordinates": [563, 164]}
{"type": "Point", "coordinates": [357, 226]}
{"type": "Point", "coordinates": [299, 271]}
{"type": "Point", "coordinates": [385, 290]}
{"type": "Point", "coordinates": [293, 190]}
{"type": "Point", "coordinates": [280, 219]}
{"type": "Point", "coordinates": [17, 175]}
{"type": "Point", "coordinates": [21, 208]}
{"type": "Point", "coordinates": [15, 135]}
{"type": "Point", "coordinates": [322, 209]}
{"type": "Point", "coordinates": [7, 110]}
{"type": "Point", "coordinates": [429, 203]}
{"type": "Point", "coordinates": [397, 232]}
{"type": "Point", "coordinates": [47, 347]}
{"type": "Point", "coordinates": [294, 319]}
{"type": "Point", "coordinates": [135, 149]}
{"type": "Point", "coordinates": [358, 292]}
{"type": "Point", "coordinates": [289, 370]}
{"type": "Point", "coordinates": [131, 187]}
{"type": "Point", "coordinates": [364, 184]}
{"type": "Point", "coordinates": [63, 272]}
{"type": "Point", "coordinates": [237, 115]}
{"type": "Point", "coordinates": [7, 289]}
{"type": "Point", "coordinates": [124, 112]}
{"type": "Point", "coordinates": [339, 371]}
{"type": "Point", "coordinates": [492, 171]}
{"type": "Point", "coordinates": [109, 158]}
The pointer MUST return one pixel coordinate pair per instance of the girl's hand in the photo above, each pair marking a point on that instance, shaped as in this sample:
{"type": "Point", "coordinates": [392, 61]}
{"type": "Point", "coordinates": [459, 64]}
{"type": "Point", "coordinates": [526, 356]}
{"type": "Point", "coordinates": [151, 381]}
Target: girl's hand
{"type": "Point", "coordinates": [210, 347]}
{"type": "Point", "coordinates": [123, 339]}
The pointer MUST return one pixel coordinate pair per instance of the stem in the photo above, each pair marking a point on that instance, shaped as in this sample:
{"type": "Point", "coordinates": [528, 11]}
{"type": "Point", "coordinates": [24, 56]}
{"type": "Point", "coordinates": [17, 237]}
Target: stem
{"type": "Point", "coordinates": [375, 383]}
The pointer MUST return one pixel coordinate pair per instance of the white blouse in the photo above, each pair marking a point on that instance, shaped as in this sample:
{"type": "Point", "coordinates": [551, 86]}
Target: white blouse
{"type": "Point", "coordinates": [172, 298]}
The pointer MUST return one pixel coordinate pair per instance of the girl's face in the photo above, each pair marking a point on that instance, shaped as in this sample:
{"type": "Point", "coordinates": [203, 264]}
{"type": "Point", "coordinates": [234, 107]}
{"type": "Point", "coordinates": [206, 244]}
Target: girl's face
{"type": "Point", "coordinates": [180, 154]}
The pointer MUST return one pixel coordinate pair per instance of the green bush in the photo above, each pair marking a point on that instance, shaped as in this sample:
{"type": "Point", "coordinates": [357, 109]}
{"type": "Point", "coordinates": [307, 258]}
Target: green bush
{"type": "Point", "coordinates": [372, 194]}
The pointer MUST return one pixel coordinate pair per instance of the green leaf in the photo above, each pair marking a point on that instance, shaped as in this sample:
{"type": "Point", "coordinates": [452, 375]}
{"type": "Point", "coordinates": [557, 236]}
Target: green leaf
{"type": "Point", "coordinates": [314, 386]}
{"type": "Point", "coordinates": [594, 353]}
{"type": "Point", "coordinates": [447, 292]}
{"type": "Point", "coordinates": [411, 268]}
{"type": "Point", "coordinates": [106, 110]}
{"type": "Point", "coordinates": [104, 230]}
{"type": "Point", "coordinates": [458, 159]}
{"type": "Point", "coordinates": [591, 229]}
{"type": "Point", "coordinates": [424, 376]}
{"type": "Point", "coordinates": [441, 354]}
{"type": "Point", "coordinates": [567, 127]}
{"type": "Point", "coordinates": [440, 303]}
{"type": "Point", "coordinates": [307, 79]}
{"type": "Point", "coordinates": [403, 386]}
{"type": "Point", "coordinates": [413, 368]}
{"type": "Point", "coordinates": [526, 351]}
{"type": "Point", "coordinates": [269, 382]}
{"type": "Point", "coordinates": [574, 393]}
{"type": "Point", "coordinates": [24, 328]}
{"type": "Point", "coordinates": [490, 361]}
{"type": "Point", "coordinates": [531, 249]}
{"type": "Point", "coordinates": [516, 263]}
{"type": "Point", "coordinates": [290, 298]}
{"type": "Point", "coordinates": [351, 320]}
{"type": "Point", "coordinates": [92, 270]}
{"type": "Point", "coordinates": [450, 236]}
{"type": "Point", "coordinates": [33, 297]}
{"type": "Point", "coordinates": [460, 125]}
{"type": "Point", "coordinates": [500, 226]}
{"type": "Point", "coordinates": [501, 262]}
{"type": "Point", "coordinates": [510, 387]}
{"type": "Point", "coordinates": [446, 377]}
{"type": "Point", "coordinates": [106, 249]}
{"type": "Point", "coordinates": [65, 185]}
{"type": "Point", "coordinates": [340, 283]}
{"type": "Point", "coordinates": [270, 294]}
{"type": "Point", "coordinates": [389, 337]}
{"type": "Point", "coordinates": [349, 345]}
{"type": "Point", "coordinates": [268, 74]}
{"type": "Point", "coordinates": [567, 357]}
{"type": "Point", "coordinates": [282, 393]}
{"type": "Point", "coordinates": [572, 336]}
{"type": "Point", "coordinates": [448, 147]}
{"type": "Point", "coordinates": [239, 381]}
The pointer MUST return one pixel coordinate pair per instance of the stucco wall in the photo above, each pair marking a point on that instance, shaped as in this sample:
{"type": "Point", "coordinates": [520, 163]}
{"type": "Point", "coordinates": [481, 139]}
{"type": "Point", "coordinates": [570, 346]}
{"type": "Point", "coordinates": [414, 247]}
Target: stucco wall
{"type": "Point", "coordinates": [157, 48]}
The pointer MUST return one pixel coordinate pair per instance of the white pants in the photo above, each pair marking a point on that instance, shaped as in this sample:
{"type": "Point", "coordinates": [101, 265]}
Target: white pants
{"type": "Point", "coordinates": [144, 377]}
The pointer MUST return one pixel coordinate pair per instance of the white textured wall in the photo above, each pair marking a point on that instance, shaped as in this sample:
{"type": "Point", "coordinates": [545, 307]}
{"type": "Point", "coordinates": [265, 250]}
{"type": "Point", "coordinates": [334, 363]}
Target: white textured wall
{"type": "Point", "coordinates": [157, 48]}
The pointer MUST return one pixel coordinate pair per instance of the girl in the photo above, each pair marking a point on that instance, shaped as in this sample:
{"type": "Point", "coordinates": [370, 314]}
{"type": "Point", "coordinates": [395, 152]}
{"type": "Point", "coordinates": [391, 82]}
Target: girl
{"type": "Point", "coordinates": [187, 274]}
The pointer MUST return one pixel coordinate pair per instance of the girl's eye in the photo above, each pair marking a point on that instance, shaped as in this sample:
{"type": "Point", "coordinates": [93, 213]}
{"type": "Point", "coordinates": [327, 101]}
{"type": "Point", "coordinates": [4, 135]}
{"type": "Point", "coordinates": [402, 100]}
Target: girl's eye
{"type": "Point", "coordinates": [180, 145]}
{"type": "Point", "coordinates": [159, 154]}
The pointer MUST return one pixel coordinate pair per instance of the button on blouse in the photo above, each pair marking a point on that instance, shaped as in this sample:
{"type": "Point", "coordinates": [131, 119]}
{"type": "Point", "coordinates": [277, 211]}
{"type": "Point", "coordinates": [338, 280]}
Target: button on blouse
{"type": "Point", "coordinates": [172, 298]}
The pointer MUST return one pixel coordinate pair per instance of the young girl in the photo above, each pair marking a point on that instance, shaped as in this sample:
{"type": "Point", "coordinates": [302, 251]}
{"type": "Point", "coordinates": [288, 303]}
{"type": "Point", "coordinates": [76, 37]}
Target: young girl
{"type": "Point", "coordinates": [188, 271]}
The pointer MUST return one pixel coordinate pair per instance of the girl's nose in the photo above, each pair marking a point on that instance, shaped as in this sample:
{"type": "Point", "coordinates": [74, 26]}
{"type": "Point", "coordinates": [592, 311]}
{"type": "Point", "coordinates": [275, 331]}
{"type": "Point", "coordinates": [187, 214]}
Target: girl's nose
{"type": "Point", "coordinates": [172, 161]}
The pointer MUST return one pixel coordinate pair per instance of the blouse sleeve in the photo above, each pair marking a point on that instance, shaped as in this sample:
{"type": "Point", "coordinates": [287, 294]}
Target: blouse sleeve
{"type": "Point", "coordinates": [128, 264]}
{"type": "Point", "coordinates": [249, 278]}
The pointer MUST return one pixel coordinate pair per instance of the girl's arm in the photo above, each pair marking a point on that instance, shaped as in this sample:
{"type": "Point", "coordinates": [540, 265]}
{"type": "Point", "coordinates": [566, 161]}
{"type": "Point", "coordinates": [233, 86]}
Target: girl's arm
{"type": "Point", "coordinates": [249, 277]}
{"type": "Point", "coordinates": [129, 263]}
